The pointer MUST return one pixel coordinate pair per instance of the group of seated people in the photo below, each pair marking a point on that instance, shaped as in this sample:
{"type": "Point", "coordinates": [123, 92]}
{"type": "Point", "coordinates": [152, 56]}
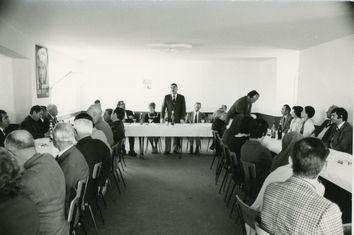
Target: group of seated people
{"type": "Point", "coordinates": [295, 204]}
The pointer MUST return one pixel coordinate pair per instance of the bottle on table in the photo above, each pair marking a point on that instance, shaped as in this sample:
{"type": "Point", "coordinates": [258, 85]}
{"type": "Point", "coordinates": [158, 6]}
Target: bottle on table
{"type": "Point", "coordinates": [280, 132]}
{"type": "Point", "coordinates": [173, 118]}
{"type": "Point", "coordinates": [141, 119]}
{"type": "Point", "coordinates": [273, 131]}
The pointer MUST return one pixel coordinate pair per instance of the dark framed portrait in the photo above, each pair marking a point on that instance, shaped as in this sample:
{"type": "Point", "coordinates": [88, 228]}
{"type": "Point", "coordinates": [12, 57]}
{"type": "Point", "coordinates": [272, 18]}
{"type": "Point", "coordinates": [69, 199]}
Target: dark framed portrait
{"type": "Point", "coordinates": [42, 81]}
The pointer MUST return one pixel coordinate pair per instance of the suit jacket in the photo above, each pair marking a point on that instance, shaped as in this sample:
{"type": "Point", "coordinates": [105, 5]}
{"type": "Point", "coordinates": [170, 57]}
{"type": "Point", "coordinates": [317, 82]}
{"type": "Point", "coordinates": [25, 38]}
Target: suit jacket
{"type": "Point", "coordinates": [190, 117]}
{"type": "Point", "coordinates": [33, 127]}
{"type": "Point", "coordinates": [285, 123]}
{"type": "Point", "coordinates": [2, 138]}
{"type": "Point", "coordinates": [179, 107]}
{"type": "Point", "coordinates": [294, 207]}
{"type": "Point", "coordinates": [44, 183]}
{"type": "Point", "coordinates": [342, 139]}
{"type": "Point", "coordinates": [240, 107]}
{"type": "Point", "coordinates": [75, 168]}
{"type": "Point", "coordinates": [128, 119]}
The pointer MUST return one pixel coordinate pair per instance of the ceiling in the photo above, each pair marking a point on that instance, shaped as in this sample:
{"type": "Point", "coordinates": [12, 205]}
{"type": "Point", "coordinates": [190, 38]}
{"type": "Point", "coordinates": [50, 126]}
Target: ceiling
{"type": "Point", "coordinates": [210, 27]}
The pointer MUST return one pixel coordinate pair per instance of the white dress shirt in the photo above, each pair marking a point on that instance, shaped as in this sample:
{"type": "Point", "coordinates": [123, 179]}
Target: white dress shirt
{"type": "Point", "coordinates": [296, 124]}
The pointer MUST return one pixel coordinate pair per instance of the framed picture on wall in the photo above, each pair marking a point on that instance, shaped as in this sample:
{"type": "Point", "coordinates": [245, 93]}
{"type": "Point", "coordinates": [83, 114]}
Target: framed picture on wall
{"type": "Point", "coordinates": [42, 81]}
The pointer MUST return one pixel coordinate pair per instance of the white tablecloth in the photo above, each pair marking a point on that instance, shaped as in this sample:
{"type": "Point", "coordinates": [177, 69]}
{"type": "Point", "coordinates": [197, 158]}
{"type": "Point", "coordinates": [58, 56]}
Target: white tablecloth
{"type": "Point", "coordinates": [164, 130]}
{"type": "Point", "coordinates": [338, 169]}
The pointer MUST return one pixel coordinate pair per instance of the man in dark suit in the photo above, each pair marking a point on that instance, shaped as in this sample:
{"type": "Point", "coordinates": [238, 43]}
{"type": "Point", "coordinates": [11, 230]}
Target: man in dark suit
{"type": "Point", "coordinates": [342, 138]}
{"type": "Point", "coordinates": [128, 118]}
{"type": "Point", "coordinates": [4, 123]}
{"type": "Point", "coordinates": [327, 128]}
{"type": "Point", "coordinates": [242, 106]}
{"type": "Point", "coordinates": [33, 123]}
{"type": "Point", "coordinates": [195, 117]}
{"type": "Point", "coordinates": [173, 109]}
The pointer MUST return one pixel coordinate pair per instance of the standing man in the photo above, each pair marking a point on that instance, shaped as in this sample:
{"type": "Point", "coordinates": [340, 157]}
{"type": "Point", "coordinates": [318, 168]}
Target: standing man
{"type": "Point", "coordinates": [128, 118]}
{"type": "Point", "coordinates": [242, 106]}
{"type": "Point", "coordinates": [4, 123]}
{"type": "Point", "coordinates": [174, 106]}
{"type": "Point", "coordinates": [195, 117]}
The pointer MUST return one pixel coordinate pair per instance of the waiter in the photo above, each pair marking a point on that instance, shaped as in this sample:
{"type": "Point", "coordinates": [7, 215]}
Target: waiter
{"type": "Point", "coordinates": [173, 107]}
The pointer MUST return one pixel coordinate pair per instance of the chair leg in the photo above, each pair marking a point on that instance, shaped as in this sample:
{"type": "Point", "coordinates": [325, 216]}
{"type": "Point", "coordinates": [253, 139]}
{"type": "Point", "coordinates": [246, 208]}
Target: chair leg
{"type": "Point", "coordinates": [233, 208]}
{"type": "Point", "coordinates": [227, 181]}
{"type": "Point", "coordinates": [116, 180]}
{"type": "Point", "coordinates": [121, 176]}
{"type": "Point", "coordinates": [93, 218]}
{"type": "Point", "coordinates": [230, 196]}
{"type": "Point", "coordinates": [99, 210]}
{"type": "Point", "coordinates": [223, 181]}
{"type": "Point", "coordinates": [228, 188]}
{"type": "Point", "coordinates": [212, 163]}
{"type": "Point", "coordinates": [218, 172]}
{"type": "Point", "coordinates": [111, 188]}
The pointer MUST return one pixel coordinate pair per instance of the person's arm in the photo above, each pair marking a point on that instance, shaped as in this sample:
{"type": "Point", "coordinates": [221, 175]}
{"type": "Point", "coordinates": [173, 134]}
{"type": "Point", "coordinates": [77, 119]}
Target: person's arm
{"type": "Point", "coordinates": [331, 221]}
{"type": "Point", "coordinates": [183, 110]}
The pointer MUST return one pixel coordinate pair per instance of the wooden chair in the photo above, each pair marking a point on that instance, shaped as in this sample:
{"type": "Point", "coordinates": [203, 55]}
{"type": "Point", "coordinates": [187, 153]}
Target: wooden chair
{"type": "Point", "coordinates": [247, 215]}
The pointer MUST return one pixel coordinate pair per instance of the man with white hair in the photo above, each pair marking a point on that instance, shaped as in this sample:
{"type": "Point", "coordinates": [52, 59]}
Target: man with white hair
{"type": "Point", "coordinates": [42, 181]}
{"type": "Point", "coordinates": [95, 112]}
{"type": "Point", "coordinates": [93, 150]}
{"type": "Point", "coordinates": [70, 159]}
{"type": "Point", "coordinates": [52, 113]}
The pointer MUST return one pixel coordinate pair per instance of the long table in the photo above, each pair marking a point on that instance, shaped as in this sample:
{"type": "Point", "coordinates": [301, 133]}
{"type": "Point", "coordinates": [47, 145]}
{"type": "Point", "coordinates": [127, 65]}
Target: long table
{"type": "Point", "coordinates": [338, 169]}
{"type": "Point", "coordinates": [166, 130]}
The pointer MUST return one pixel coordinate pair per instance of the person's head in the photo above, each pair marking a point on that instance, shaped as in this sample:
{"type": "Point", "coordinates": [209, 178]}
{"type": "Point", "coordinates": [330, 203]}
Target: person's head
{"type": "Point", "coordinates": [296, 112]}
{"type": "Point", "coordinates": [84, 115]}
{"type": "Point", "coordinates": [44, 112]}
{"type": "Point", "coordinates": [339, 115]}
{"type": "Point", "coordinates": [52, 109]}
{"type": "Point", "coordinates": [308, 157]}
{"type": "Point", "coordinates": [174, 88]}
{"type": "Point", "coordinates": [223, 108]}
{"type": "Point", "coordinates": [197, 106]}
{"type": "Point", "coordinates": [258, 128]}
{"type": "Point", "coordinates": [121, 104]}
{"type": "Point", "coordinates": [309, 112]}
{"type": "Point", "coordinates": [107, 114]}
{"type": "Point", "coordinates": [152, 107]}
{"type": "Point", "coordinates": [83, 128]}
{"type": "Point", "coordinates": [4, 119]}
{"type": "Point", "coordinates": [63, 135]}
{"type": "Point", "coordinates": [118, 113]}
{"type": "Point", "coordinates": [98, 102]}
{"type": "Point", "coordinates": [285, 110]}
{"type": "Point", "coordinates": [253, 96]}
{"type": "Point", "coordinates": [36, 112]}
{"type": "Point", "coordinates": [95, 112]}
{"type": "Point", "coordinates": [9, 174]}
{"type": "Point", "coordinates": [21, 144]}
{"type": "Point", "coordinates": [329, 111]}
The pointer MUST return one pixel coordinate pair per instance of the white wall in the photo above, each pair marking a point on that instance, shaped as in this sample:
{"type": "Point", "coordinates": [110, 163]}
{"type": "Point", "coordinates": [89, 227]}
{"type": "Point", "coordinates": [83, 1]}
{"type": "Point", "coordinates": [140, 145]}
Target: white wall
{"type": "Point", "coordinates": [326, 76]}
{"type": "Point", "coordinates": [6, 86]}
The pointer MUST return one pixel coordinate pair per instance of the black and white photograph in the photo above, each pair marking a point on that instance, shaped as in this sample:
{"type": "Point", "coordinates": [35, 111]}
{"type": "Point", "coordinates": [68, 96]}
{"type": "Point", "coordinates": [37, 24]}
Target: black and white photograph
{"type": "Point", "coordinates": [173, 117]}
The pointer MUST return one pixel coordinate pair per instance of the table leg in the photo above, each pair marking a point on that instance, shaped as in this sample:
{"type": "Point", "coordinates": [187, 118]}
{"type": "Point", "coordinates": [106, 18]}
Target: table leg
{"type": "Point", "coordinates": [141, 147]}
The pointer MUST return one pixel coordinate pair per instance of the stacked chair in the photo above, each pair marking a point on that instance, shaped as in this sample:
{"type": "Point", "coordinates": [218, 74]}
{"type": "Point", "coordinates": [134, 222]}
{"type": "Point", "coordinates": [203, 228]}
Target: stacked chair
{"type": "Point", "coordinates": [83, 204]}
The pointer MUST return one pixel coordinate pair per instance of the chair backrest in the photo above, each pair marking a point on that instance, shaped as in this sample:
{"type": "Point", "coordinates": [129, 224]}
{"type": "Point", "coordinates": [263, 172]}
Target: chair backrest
{"type": "Point", "coordinates": [259, 230]}
{"type": "Point", "coordinates": [75, 203]}
{"type": "Point", "coordinates": [250, 175]}
{"type": "Point", "coordinates": [347, 229]}
{"type": "Point", "coordinates": [96, 170]}
{"type": "Point", "coordinates": [247, 214]}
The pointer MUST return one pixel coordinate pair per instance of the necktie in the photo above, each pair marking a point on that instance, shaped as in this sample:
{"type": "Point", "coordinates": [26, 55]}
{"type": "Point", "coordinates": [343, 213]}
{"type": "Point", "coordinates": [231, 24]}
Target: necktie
{"type": "Point", "coordinates": [196, 118]}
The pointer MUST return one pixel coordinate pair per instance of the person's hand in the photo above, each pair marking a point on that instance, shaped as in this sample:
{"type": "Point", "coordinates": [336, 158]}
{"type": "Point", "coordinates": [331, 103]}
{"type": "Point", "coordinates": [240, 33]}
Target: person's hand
{"type": "Point", "coordinates": [182, 121]}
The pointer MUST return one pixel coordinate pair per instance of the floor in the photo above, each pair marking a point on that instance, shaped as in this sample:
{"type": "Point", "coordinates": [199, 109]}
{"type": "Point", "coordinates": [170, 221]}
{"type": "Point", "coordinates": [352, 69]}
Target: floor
{"type": "Point", "coordinates": [167, 195]}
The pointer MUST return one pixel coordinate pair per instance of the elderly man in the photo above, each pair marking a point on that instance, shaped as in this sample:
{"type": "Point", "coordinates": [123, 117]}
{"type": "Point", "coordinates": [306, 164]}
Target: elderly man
{"type": "Point", "coordinates": [342, 136]}
{"type": "Point", "coordinates": [33, 123]}
{"type": "Point", "coordinates": [174, 107]}
{"type": "Point", "coordinates": [93, 150]}
{"type": "Point", "coordinates": [107, 116]}
{"type": "Point", "coordinates": [70, 159]}
{"type": "Point", "coordinates": [4, 123]}
{"type": "Point", "coordinates": [42, 181]}
{"type": "Point", "coordinates": [295, 206]}
{"type": "Point", "coordinates": [242, 106]}
{"type": "Point", "coordinates": [195, 117]}
{"type": "Point", "coordinates": [95, 112]}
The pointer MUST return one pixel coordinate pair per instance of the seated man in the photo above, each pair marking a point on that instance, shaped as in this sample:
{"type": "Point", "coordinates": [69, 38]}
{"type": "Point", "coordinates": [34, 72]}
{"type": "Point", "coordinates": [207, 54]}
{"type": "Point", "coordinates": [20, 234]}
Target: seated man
{"type": "Point", "coordinates": [42, 181]}
{"type": "Point", "coordinates": [4, 123]}
{"type": "Point", "coordinates": [153, 117]}
{"type": "Point", "coordinates": [342, 136]}
{"type": "Point", "coordinates": [70, 159]}
{"type": "Point", "coordinates": [253, 151]}
{"type": "Point", "coordinates": [33, 123]}
{"type": "Point", "coordinates": [324, 132]}
{"type": "Point", "coordinates": [117, 125]}
{"type": "Point", "coordinates": [285, 119]}
{"type": "Point", "coordinates": [95, 112]}
{"type": "Point", "coordinates": [107, 116]}
{"type": "Point", "coordinates": [93, 150]}
{"type": "Point", "coordinates": [295, 206]}
{"type": "Point", "coordinates": [195, 117]}
{"type": "Point", "coordinates": [128, 118]}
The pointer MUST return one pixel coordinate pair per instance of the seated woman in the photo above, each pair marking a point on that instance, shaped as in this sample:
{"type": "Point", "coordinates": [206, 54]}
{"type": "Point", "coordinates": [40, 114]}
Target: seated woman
{"type": "Point", "coordinates": [287, 143]}
{"type": "Point", "coordinates": [117, 125]}
{"type": "Point", "coordinates": [309, 126]}
{"type": "Point", "coordinates": [152, 117]}
{"type": "Point", "coordinates": [297, 122]}
{"type": "Point", "coordinates": [18, 213]}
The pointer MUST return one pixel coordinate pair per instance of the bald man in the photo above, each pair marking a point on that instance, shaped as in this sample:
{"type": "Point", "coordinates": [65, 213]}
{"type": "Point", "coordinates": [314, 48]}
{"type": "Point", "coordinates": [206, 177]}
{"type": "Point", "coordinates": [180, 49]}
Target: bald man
{"type": "Point", "coordinates": [95, 112]}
